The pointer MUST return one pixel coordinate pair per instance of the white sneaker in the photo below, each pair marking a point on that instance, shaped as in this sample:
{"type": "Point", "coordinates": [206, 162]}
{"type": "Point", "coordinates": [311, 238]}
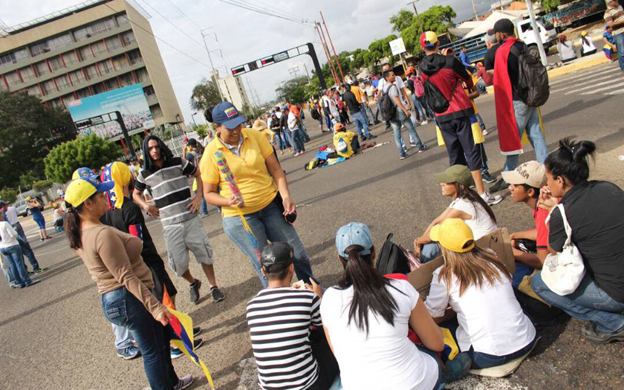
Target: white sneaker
{"type": "Point", "coordinates": [485, 132]}
{"type": "Point", "coordinates": [491, 200]}
{"type": "Point", "coordinates": [424, 122]}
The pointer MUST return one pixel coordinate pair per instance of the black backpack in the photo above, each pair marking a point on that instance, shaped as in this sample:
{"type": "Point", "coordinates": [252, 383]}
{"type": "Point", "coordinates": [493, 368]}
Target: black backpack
{"type": "Point", "coordinates": [315, 114]}
{"type": "Point", "coordinates": [392, 258]}
{"type": "Point", "coordinates": [533, 86]}
{"type": "Point", "coordinates": [387, 107]}
{"type": "Point", "coordinates": [434, 97]}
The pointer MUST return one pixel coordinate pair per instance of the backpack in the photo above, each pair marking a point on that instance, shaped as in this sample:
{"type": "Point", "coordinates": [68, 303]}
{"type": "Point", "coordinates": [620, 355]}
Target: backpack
{"type": "Point", "coordinates": [387, 107]}
{"type": "Point", "coordinates": [434, 98]}
{"type": "Point", "coordinates": [394, 259]}
{"type": "Point", "coordinates": [533, 85]}
{"type": "Point", "coordinates": [315, 114]}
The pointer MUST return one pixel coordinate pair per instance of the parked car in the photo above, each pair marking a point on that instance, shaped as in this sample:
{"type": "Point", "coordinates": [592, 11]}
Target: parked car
{"type": "Point", "coordinates": [21, 207]}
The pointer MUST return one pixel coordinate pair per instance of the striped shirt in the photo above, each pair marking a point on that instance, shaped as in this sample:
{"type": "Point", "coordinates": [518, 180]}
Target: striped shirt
{"type": "Point", "coordinates": [170, 189]}
{"type": "Point", "coordinates": [279, 324]}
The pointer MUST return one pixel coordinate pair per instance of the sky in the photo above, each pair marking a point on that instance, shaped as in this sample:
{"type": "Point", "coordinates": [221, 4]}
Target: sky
{"type": "Point", "coordinates": [243, 36]}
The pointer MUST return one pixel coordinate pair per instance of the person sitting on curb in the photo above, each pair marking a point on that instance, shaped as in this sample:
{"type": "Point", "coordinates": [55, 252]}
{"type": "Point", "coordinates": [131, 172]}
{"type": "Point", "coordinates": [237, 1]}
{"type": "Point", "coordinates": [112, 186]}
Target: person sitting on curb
{"type": "Point", "coordinates": [467, 205]}
{"type": "Point", "coordinates": [593, 210]}
{"type": "Point", "coordinates": [279, 337]}
{"type": "Point", "coordinates": [492, 329]}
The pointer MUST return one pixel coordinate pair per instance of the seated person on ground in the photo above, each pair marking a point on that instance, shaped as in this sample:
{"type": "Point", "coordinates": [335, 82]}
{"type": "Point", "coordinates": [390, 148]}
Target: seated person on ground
{"type": "Point", "coordinates": [346, 143]}
{"type": "Point", "coordinates": [530, 247]}
{"type": "Point", "coordinates": [366, 319]}
{"type": "Point", "coordinates": [285, 325]}
{"type": "Point", "coordinates": [467, 205]}
{"type": "Point", "coordinates": [493, 330]}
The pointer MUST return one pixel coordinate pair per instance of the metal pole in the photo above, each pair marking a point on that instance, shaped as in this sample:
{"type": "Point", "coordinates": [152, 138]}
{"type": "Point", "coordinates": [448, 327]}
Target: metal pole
{"type": "Point", "coordinates": [474, 9]}
{"type": "Point", "coordinates": [332, 45]}
{"type": "Point", "coordinates": [538, 38]}
{"type": "Point", "coordinates": [307, 73]}
{"type": "Point", "coordinates": [193, 118]}
{"type": "Point", "coordinates": [215, 74]}
{"type": "Point", "coordinates": [329, 60]}
{"type": "Point", "coordinates": [413, 3]}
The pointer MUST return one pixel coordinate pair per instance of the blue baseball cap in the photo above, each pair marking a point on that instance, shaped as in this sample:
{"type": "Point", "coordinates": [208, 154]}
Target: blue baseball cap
{"type": "Point", "coordinates": [227, 115]}
{"type": "Point", "coordinates": [82, 172]}
{"type": "Point", "coordinates": [354, 233]}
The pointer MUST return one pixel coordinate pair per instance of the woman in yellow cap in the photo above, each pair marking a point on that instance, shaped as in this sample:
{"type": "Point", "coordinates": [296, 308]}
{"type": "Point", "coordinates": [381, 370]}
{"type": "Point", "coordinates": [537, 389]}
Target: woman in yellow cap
{"type": "Point", "coordinates": [492, 327]}
{"type": "Point", "coordinates": [587, 45]}
{"type": "Point", "coordinates": [124, 281]}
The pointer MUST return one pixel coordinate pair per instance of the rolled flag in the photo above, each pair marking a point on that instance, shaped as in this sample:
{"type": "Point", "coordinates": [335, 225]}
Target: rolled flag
{"type": "Point", "coordinates": [182, 326]}
{"type": "Point", "coordinates": [228, 176]}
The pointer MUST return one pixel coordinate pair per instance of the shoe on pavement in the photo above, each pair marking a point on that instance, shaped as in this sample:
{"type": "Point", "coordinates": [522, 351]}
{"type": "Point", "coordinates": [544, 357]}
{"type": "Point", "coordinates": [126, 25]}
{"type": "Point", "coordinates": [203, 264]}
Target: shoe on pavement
{"type": "Point", "coordinates": [195, 291]}
{"type": "Point", "coordinates": [491, 200]}
{"type": "Point", "coordinates": [14, 285]}
{"type": "Point", "coordinates": [32, 282]}
{"type": "Point", "coordinates": [488, 178]}
{"type": "Point", "coordinates": [423, 148]}
{"type": "Point", "coordinates": [595, 336]}
{"type": "Point", "coordinates": [183, 383]}
{"type": "Point", "coordinates": [197, 343]}
{"type": "Point", "coordinates": [413, 144]}
{"type": "Point", "coordinates": [217, 294]}
{"type": "Point", "coordinates": [499, 186]}
{"type": "Point", "coordinates": [176, 353]}
{"type": "Point", "coordinates": [456, 368]}
{"type": "Point", "coordinates": [372, 136]}
{"type": "Point", "coordinates": [485, 132]}
{"type": "Point", "coordinates": [196, 331]}
{"type": "Point", "coordinates": [424, 122]}
{"type": "Point", "coordinates": [128, 353]}
{"type": "Point", "coordinates": [403, 157]}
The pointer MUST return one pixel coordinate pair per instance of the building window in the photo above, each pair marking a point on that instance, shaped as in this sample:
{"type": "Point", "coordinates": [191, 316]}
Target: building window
{"type": "Point", "coordinates": [94, 29]}
{"type": "Point", "coordinates": [142, 75]}
{"type": "Point", "coordinates": [85, 53]}
{"type": "Point", "coordinates": [13, 57]}
{"type": "Point", "coordinates": [126, 80]}
{"type": "Point", "coordinates": [34, 91]}
{"type": "Point", "coordinates": [56, 103]}
{"type": "Point", "coordinates": [83, 93]}
{"type": "Point", "coordinates": [13, 79]}
{"type": "Point", "coordinates": [91, 71]}
{"type": "Point", "coordinates": [27, 73]}
{"type": "Point", "coordinates": [98, 88]}
{"type": "Point", "coordinates": [149, 90]}
{"type": "Point", "coordinates": [77, 77]}
{"type": "Point", "coordinates": [55, 63]}
{"type": "Point", "coordinates": [63, 82]}
{"type": "Point", "coordinates": [98, 47]}
{"type": "Point", "coordinates": [120, 62]}
{"type": "Point", "coordinates": [70, 58]}
{"type": "Point", "coordinates": [42, 68]}
{"type": "Point", "coordinates": [135, 56]}
{"type": "Point", "coordinates": [105, 67]}
{"type": "Point", "coordinates": [39, 48]}
{"type": "Point", "coordinates": [156, 111]}
{"type": "Point", "coordinates": [49, 87]}
{"type": "Point", "coordinates": [59, 41]}
{"type": "Point", "coordinates": [113, 43]}
{"type": "Point", "coordinates": [122, 19]}
{"type": "Point", "coordinates": [128, 37]}
{"type": "Point", "coordinates": [111, 84]}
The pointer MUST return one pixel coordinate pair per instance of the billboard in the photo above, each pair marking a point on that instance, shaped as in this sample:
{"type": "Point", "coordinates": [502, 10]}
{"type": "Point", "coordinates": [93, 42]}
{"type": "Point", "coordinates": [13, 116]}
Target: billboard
{"type": "Point", "coordinates": [129, 101]}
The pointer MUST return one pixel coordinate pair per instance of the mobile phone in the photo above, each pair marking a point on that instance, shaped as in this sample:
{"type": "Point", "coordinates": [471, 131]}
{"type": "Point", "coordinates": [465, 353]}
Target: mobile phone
{"type": "Point", "coordinates": [291, 218]}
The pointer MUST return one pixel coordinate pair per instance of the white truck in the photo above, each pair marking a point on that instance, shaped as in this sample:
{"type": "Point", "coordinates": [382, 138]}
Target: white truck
{"type": "Point", "coordinates": [524, 29]}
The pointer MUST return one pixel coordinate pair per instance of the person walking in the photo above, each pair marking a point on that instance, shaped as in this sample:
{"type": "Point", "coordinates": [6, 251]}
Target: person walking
{"type": "Point", "coordinates": [34, 207]}
{"type": "Point", "coordinates": [10, 215]}
{"type": "Point", "coordinates": [124, 281]}
{"type": "Point", "coordinates": [183, 231]}
{"type": "Point", "coordinates": [193, 155]}
{"type": "Point", "coordinates": [264, 202]}
{"type": "Point", "coordinates": [12, 252]}
{"type": "Point", "coordinates": [359, 117]}
{"type": "Point", "coordinates": [614, 17]}
{"type": "Point", "coordinates": [448, 75]}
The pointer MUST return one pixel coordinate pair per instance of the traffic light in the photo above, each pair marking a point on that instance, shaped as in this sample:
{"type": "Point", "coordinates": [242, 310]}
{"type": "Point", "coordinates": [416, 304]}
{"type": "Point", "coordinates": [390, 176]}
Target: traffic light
{"type": "Point", "coordinates": [84, 123]}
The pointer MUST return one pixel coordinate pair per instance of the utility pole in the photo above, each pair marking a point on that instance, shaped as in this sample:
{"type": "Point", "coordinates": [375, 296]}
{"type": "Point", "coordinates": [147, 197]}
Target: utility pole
{"type": "Point", "coordinates": [319, 30]}
{"type": "Point", "coordinates": [474, 9]}
{"type": "Point", "coordinates": [214, 72]}
{"type": "Point", "coordinates": [413, 3]}
{"type": "Point", "coordinates": [334, 49]}
{"type": "Point", "coordinates": [294, 70]}
{"type": "Point", "coordinates": [538, 38]}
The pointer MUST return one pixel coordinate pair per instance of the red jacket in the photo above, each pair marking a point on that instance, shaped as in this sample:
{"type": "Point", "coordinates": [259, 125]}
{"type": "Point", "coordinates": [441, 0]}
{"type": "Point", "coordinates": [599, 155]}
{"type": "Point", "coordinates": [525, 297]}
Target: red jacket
{"type": "Point", "coordinates": [448, 74]}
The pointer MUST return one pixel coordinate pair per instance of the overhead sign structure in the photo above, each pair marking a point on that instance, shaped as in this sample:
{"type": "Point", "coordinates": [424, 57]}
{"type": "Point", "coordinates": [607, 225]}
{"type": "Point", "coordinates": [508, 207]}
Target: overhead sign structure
{"type": "Point", "coordinates": [397, 47]}
{"type": "Point", "coordinates": [128, 101]}
{"type": "Point", "coordinates": [283, 56]}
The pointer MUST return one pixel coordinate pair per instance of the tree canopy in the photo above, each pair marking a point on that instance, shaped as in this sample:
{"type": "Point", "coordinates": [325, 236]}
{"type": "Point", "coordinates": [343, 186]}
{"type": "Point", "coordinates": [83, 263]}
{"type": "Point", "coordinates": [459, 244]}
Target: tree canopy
{"type": "Point", "coordinates": [293, 90]}
{"type": "Point", "coordinates": [204, 95]}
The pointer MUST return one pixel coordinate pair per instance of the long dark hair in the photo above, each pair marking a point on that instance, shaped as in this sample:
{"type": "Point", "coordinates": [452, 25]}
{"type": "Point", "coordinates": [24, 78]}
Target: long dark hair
{"type": "Point", "coordinates": [148, 163]}
{"type": "Point", "coordinates": [585, 40]}
{"type": "Point", "coordinates": [370, 293]}
{"type": "Point", "coordinates": [571, 160]}
{"type": "Point", "coordinates": [71, 224]}
{"type": "Point", "coordinates": [471, 195]}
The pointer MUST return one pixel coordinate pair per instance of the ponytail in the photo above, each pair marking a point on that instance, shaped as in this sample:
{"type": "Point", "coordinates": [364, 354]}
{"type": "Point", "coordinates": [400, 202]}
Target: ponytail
{"type": "Point", "coordinates": [571, 160]}
{"type": "Point", "coordinates": [472, 196]}
{"type": "Point", "coordinates": [370, 292]}
{"type": "Point", "coordinates": [72, 227]}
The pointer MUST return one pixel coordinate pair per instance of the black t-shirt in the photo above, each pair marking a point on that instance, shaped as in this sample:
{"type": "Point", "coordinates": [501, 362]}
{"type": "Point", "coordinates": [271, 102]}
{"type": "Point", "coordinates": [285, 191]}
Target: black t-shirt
{"type": "Point", "coordinates": [595, 212]}
{"type": "Point", "coordinates": [129, 219]}
{"type": "Point", "coordinates": [513, 67]}
{"type": "Point", "coordinates": [351, 102]}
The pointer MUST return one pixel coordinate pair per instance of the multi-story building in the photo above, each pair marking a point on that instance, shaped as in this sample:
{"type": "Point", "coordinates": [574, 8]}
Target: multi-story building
{"type": "Point", "coordinates": [233, 90]}
{"type": "Point", "coordinates": [97, 46]}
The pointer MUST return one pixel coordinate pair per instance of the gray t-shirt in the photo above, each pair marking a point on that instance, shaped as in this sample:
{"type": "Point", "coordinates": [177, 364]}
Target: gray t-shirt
{"type": "Point", "coordinates": [393, 91]}
{"type": "Point", "coordinates": [566, 51]}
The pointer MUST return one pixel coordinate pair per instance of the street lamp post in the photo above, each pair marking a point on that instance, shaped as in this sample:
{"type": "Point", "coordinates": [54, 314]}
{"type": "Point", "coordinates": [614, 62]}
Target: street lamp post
{"type": "Point", "coordinates": [193, 117]}
{"type": "Point", "coordinates": [413, 3]}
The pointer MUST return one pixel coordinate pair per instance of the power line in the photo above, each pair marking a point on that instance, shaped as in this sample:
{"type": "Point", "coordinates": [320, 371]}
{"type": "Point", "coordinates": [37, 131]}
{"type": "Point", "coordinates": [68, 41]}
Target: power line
{"type": "Point", "coordinates": [274, 10]}
{"type": "Point", "coordinates": [173, 24]}
{"type": "Point", "coordinates": [183, 14]}
{"type": "Point", "coordinates": [161, 40]}
{"type": "Point", "coordinates": [263, 11]}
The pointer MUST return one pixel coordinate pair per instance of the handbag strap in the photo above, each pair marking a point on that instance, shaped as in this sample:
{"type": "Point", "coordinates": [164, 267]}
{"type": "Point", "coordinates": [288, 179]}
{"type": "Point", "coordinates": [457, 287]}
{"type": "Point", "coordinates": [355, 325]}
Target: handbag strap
{"type": "Point", "coordinates": [566, 225]}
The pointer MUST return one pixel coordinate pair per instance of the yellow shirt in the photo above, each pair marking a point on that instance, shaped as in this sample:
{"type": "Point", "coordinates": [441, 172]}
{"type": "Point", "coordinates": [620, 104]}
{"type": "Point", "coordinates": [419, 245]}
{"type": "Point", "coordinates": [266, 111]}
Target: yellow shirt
{"type": "Point", "coordinates": [359, 94]}
{"type": "Point", "coordinates": [250, 171]}
{"type": "Point", "coordinates": [347, 136]}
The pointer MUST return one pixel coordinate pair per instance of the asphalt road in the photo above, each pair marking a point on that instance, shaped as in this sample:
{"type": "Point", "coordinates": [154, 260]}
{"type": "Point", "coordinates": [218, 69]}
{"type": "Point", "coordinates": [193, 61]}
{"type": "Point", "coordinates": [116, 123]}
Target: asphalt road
{"type": "Point", "coordinates": [54, 336]}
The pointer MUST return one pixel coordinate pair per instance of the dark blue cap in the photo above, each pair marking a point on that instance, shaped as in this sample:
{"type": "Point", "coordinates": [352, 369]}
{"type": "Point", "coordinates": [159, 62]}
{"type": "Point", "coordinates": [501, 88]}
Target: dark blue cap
{"type": "Point", "coordinates": [226, 114]}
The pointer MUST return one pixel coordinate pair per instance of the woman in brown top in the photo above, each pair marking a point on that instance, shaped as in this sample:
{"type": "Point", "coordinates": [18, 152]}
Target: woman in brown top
{"type": "Point", "coordinates": [114, 261]}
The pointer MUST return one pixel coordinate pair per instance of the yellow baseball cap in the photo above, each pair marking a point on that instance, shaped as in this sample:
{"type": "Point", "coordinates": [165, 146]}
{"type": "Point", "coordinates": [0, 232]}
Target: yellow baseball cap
{"type": "Point", "coordinates": [83, 188]}
{"type": "Point", "coordinates": [428, 39]}
{"type": "Point", "coordinates": [82, 172]}
{"type": "Point", "coordinates": [454, 235]}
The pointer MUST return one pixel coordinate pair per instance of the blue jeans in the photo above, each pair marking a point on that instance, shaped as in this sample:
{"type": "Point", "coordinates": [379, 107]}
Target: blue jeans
{"type": "Point", "coordinates": [297, 139]}
{"type": "Point", "coordinates": [123, 339]}
{"type": "Point", "coordinates": [122, 308]}
{"type": "Point", "coordinates": [361, 124]}
{"type": "Point", "coordinates": [328, 121]}
{"type": "Point", "coordinates": [369, 113]}
{"type": "Point", "coordinates": [619, 42]}
{"type": "Point", "coordinates": [288, 137]}
{"type": "Point", "coordinates": [418, 107]}
{"type": "Point", "coordinates": [429, 252]}
{"type": "Point", "coordinates": [26, 249]}
{"type": "Point", "coordinates": [398, 120]}
{"type": "Point", "coordinates": [6, 269]}
{"type": "Point", "coordinates": [13, 255]}
{"type": "Point", "coordinates": [588, 303]}
{"type": "Point", "coordinates": [528, 118]}
{"type": "Point", "coordinates": [268, 224]}
{"type": "Point", "coordinates": [484, 360]}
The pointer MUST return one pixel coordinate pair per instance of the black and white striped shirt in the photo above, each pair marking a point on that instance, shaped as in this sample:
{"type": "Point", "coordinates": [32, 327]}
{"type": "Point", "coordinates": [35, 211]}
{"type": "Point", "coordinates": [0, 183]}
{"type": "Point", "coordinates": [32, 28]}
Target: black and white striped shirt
{"type": "Point", "coordinates": [170, 189]}
{"type": "Point", "coordinates": [279, 324]}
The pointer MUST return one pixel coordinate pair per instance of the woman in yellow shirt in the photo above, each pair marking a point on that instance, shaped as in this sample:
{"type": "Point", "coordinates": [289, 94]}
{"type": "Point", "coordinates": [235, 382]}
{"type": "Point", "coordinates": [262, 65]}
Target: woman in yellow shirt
{"type": "Point", "coordinates": [264, 200]}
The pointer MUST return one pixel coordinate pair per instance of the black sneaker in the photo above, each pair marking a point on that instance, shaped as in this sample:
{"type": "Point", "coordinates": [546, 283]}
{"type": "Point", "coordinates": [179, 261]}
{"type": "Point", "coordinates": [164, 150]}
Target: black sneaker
{"type": "Point", "coordinates": [423, 148]}
{"type": "Point", "coordinates": [196, 331]}
{"type": "Point", "coordinates": [197, 343]}
{"type": "Point", "coordinates": [372, 136]}
{"type": "Point", "coordinates": [195, 291]}
{"type": "Point", "coordinates": [499, 186]}
{"type": "Point", "coordinates": [595, 336]}
{"type": "Point", "coordinates": [217, 294]}
{"type": "Point", "coordinates": [32, 282]}
{"type": "Point", "coordinates": [488, 178]}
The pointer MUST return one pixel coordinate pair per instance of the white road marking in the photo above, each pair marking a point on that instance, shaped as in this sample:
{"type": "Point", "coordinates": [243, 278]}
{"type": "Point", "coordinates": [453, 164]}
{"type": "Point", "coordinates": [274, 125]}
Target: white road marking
{"type": "Point", "coordinates": [593, 86]}
{"type": "Point", "coordinates": [576, 75]}
{"type": "Point", "coordinates": [583, 83]}
{"type": "Point", "coordinates": [603, 89]}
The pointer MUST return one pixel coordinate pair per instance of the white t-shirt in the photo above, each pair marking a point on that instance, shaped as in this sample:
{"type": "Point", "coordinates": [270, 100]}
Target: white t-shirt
{"type": "Point", "coordinates": [398, 82]}
{"type": "Point", "coordinates": [481, 223]}
{"type": "Point", "coordinates": [8, 235]}
{"type": "Point", "coordinates": [11, 215]}
{"type": "Point", "coordinates": [587, 47]}
{"type": "Point", "coordinates": [292, 121]}
{"type": "Point", "coordinates": [490, 319]}
{"type": "Point", "coordinates": [385, 358]}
